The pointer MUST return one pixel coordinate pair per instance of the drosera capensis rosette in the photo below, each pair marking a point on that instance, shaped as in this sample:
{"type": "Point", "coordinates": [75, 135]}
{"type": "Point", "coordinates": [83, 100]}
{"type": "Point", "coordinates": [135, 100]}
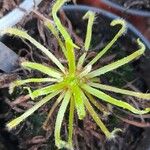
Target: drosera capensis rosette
{"type": "Point", "coordinates": [75, 85]}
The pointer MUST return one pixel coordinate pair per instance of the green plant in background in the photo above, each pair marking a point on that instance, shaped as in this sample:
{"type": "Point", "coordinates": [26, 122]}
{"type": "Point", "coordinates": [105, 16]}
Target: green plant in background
{"type": "Point", "coordinates": [75, 85]}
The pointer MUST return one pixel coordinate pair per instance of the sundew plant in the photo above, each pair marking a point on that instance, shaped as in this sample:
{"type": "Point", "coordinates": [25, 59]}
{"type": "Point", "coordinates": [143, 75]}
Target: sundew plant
{"type": "Point", "coordinates": [74, 86]}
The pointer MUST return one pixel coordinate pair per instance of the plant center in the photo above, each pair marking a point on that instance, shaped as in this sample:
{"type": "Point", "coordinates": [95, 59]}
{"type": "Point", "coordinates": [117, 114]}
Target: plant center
{"type": "Point", "coordinates": [72, 80]}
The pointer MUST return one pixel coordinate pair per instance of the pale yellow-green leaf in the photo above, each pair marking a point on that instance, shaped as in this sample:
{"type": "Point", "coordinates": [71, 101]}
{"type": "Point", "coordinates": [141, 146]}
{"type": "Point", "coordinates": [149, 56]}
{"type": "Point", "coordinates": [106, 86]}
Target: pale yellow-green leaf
{"type": "Point", "coordinates": [118, 63]}
{"type": "Point", "coordinates": [79, 102]}
{"type": "Point", "coordinates": [52, 28]}
{"type": "Point", "coordinates": [101, 95]}
{"type": "Point", "coordinates": [96, 117]}
{"type": "Point", "coordinates": [12, 124]}
{"type": "Point", "coordinates": [85, 71]}
{"type": "Point", "coordinates": [47, 90]}
{"type": "Point", "coordinates": [59, 99]}
{"type": "Point", "coordinates": [31, 80]}
{"type": "Point", "coordinates": [44, 69]}
{"type": "Point", "coordinates": [71, 58]}
{"type": "Point", "coordinates": [59, 119]}
{"type": "Point", "coordinates": [70, 126]}
{"type": "Point", "coordinates": [56, 7]}
{"type": "Point", "coordinates": [145, 96]}
{"type": "Point", "coordinates": [111, 43]}
{"type": "Point", "coordinates": [25, 35]}
{"type": "Point", "coordinates": [90, 16]}
{"type": "Point", "coordinates": [98, 105]}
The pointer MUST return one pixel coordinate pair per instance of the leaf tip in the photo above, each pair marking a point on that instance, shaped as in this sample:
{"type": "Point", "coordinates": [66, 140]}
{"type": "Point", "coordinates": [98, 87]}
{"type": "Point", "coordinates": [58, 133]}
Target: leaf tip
{"type": "Point", "coordinates": [141, 46]}
{"type": "Point", "coordinates": [114, 133]}
{"type": "Point", "coordinates": [122, 22]}
{"type": "Point", "coordinates": [89, 14]}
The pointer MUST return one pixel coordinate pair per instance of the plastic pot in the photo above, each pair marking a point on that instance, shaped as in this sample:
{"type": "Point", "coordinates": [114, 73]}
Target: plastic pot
{"type": "Point", "coordinates": [139, 18]}
{"type": "Point", "coordinates": [18, 13]}
{"type": "Point", "coordinates": [8, 59]}
{"type": "Point", "coordinates": [130, 11]}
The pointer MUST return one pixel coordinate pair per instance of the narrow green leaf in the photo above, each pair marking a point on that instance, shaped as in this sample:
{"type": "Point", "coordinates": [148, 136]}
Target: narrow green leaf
{"type": "Point", "coordinates": [44, 69]}
{"type": "Point", "coordinates": [29, 112]}
{"type": "Point", "coordinates": [96, 117]}
{"type": "Point", "coordinates": [31, 80]}
{"type": "Point", "coordinates": [109, 45]}
{"type": "Point", "coordinates": [99, 106]}
{"type": "Point", "coordinates": [59, 143]}
{"type": "Point", "coordinates": [118, 63]}
{"type": "Point", "coordinates": [54, 31]}
{"type": "Point", "coordinates": [86, 70]}
{"type": "Point", "coordinates": [111, 100]}
{"type": "Point", "coordinates": [47, 90]}
{"type": "Point", "coordinates": [56, 7]}
{"type": "Point", "coordinates": [145, 96]}
{"type": "Point", "coordinates": [90, 16]}
{"type": "Point", "coordinates": [71, 58]}
{"type": "Point", "coordinates": [24, 35]}
{"type": "Point", "coordinates": [71, 118]}
{"type": "Point", "coordinates": [59, 99]}
{"type": "Point", "coordinates": [68, 41]}
{"type": "Point", "coordinates": [79, 103]}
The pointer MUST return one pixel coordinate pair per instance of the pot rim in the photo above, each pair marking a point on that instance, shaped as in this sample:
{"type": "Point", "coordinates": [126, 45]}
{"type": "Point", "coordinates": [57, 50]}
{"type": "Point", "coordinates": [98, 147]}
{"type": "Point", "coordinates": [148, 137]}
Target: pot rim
{"type": "Point", "coordinates": [132, 11]}
{"type": "Point", "coordinates": [111, 16]}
